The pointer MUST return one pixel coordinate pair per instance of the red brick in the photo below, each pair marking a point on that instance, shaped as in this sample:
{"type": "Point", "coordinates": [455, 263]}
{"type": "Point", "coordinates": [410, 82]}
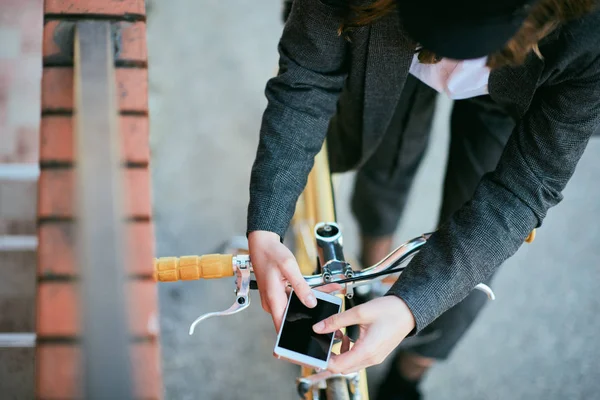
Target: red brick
{"type": "Point", "coordinates": [140, 250]}
{"type": "Point", "coordinates": [57, 309]}
{"type": "Point", "coordinates": [133, 42]}
{"type": "Point", "coordinates": [56, 249]}
{"type": "Point", "coordinates": [143, 308]}
{"type": "Point", "coordinates": [59, 371]}
{"type": "Point", "coordinates": [57, 88]}
{"type": "Point", "coordinates": [102, 7]}
{"type": "Point", "coordinates": [57, 142]}
{"type": "Point", "coordinates": [147, 372]}
{"type": "Point", "coordinates": [132, 84]}
{"type": "Point", "coordinates": [137, 187]}
{"type": "Point", "coordinates": [132, 89]}
{"type": "Point", "coordinates": [56, 193]}
{"type": "Point", "coordinates": [56, 139]}
{"type": "Point", "coordinates": [132, 45]}
{"type": "Point", "coordinates": [135, 138]}
{"type": "Point", "coordinates": [49, 46]}
{"type": "Point", "coordinates": [59, 313]}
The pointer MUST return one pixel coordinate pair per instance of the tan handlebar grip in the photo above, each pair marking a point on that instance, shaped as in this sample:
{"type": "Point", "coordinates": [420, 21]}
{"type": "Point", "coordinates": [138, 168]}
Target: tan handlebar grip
{"type": "Point", "coordinates": [187, 268]}
{"type": "Point", "coordinates": [531, 237]}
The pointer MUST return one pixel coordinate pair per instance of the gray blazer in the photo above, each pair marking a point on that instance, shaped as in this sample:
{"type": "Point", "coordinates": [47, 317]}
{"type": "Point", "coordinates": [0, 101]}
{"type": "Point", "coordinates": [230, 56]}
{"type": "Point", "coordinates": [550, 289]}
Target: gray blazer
{"type": "Point", "coordinates": [348, 91]}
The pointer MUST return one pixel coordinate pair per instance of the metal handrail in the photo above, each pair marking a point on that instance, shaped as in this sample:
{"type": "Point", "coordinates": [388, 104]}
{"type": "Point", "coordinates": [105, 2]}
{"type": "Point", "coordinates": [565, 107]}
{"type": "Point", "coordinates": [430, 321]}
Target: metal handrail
{"type": "Point", "coordinates": [100, 217]}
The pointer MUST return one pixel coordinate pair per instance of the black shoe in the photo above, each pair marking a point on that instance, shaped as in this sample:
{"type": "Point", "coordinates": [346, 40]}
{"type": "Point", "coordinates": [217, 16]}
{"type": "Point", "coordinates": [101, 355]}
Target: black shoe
{"type": "Point", "coordinates": [396, 387]}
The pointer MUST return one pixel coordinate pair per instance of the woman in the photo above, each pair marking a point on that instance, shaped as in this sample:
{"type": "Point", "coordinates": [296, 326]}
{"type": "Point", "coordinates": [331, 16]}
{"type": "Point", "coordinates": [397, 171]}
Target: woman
{"type": "Point", "coordinates": [526, 77]}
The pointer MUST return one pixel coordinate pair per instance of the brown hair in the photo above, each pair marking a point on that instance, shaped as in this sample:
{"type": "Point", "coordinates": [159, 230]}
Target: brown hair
{"type": "Point", "coordinates": [544, 16]}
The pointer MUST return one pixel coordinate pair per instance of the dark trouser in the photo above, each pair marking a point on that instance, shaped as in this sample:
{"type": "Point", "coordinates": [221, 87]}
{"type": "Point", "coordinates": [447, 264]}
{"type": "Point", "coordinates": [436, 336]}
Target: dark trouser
{"type": "Point", "coordinates": [285, 11]}
{"type": "Point", "coordinates": [479, 132]}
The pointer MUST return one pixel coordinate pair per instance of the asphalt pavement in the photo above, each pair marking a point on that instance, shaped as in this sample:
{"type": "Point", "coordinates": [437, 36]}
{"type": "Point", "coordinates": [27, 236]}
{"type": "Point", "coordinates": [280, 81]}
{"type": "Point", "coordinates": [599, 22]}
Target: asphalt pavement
{"type": "Point", "coordinates": [209, 62]}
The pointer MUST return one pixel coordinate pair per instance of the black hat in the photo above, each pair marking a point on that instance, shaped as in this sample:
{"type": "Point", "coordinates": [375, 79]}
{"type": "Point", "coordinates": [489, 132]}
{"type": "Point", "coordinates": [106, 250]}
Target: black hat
{"type": "Point", "coordinates": [463, 29]}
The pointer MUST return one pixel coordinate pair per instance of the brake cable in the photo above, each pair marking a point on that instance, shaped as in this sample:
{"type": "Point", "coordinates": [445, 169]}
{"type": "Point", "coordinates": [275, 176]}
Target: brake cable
{"type": "Point", "coordinates": [363, 278]}
{"type": "Point", "coordinates": [254, 285]}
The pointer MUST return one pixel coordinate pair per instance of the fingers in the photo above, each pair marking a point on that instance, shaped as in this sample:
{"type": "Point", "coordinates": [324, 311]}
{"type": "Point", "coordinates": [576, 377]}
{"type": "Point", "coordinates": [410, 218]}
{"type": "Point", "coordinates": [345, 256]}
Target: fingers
{"type": "Point", "coordinates": [319, 376]}
{"type": "Point", "coordinates": [345, 344]}
{"type": "Point", "coordinates": [263, 290]}
{"type": "Point", "coordinates": [329, 288]}
{"type": "Point", "coordinates": [273, 297]}
{"type": "Point", "coordinates": [350, 360]}
{"type": "Point", "coordinates": [381, 332]}
{"type": "Point", "coordinates": [277, 302]}
{"type": "Point", "coordinates": [273, 265]}
{"type": "Point", "coordinates": [290, 270]}
{"type": "Point", "coordinates": [264, 303]}
{"type": "Point", "coordinates": [353, 316]}
{"type": "Point", "coordinates": [265, 250]}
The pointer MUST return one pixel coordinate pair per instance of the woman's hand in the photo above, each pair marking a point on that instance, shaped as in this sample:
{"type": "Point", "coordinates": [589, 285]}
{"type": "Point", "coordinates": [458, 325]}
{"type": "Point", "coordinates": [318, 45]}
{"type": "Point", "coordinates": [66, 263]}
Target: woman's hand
{"type": "Point", "coordinates": [384, 322]}
{"type": "Point", "coordinates": [274, 265]}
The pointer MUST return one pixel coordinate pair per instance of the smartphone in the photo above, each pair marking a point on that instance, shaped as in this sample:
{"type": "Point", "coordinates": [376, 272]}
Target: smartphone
{"type": "Point", "coordinates": [296, 341]}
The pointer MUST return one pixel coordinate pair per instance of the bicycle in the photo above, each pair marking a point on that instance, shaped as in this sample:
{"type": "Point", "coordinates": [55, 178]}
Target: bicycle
{"type": "Point", "coordinates": [319, 251]}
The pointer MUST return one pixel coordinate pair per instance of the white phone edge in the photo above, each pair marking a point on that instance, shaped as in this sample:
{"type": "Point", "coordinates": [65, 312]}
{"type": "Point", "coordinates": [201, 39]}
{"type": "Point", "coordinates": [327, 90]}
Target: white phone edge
{"type": "Point", "coordinates": [303, 359]}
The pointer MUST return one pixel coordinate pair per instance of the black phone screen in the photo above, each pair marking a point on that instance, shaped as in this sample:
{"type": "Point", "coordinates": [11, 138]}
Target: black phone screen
{"type": "Point", "coordinates": [297, 334]}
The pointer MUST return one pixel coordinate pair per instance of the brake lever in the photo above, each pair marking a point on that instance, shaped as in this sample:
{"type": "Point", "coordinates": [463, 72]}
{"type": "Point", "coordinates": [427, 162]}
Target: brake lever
{"type": "Point", "coordinates": [242, 290]}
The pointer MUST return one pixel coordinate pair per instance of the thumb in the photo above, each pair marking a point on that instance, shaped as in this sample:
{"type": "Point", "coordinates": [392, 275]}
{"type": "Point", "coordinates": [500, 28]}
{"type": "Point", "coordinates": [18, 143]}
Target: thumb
{"type": "Point", "coordinates": [291, 271]}
{"type": "Point", "coordinates": [338, 321]}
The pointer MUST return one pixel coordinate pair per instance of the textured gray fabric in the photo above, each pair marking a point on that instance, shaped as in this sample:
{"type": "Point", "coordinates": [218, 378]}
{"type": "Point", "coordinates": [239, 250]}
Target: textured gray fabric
{"type": "Point", "coordinates": [382, 184]}
{"type": "Point", "coordinates": [301, 101]}
{"type": "Point", "coordinates": [479, 132]}
{"type": "Point", "coordinates": [556, 102]}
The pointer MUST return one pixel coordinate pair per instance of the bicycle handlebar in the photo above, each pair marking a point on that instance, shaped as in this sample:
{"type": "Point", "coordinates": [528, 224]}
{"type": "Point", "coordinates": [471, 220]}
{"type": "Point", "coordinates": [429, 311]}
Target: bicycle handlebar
{"type": "Point", "coordinates": [187, 268]}
{"type": "Point", "coordinates": [215, 266]}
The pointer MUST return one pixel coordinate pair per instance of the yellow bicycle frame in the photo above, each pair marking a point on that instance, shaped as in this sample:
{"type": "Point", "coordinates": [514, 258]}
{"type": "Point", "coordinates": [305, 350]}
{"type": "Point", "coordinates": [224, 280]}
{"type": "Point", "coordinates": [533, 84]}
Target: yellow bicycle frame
{"type": "Point", "coordinates": [316, 204]}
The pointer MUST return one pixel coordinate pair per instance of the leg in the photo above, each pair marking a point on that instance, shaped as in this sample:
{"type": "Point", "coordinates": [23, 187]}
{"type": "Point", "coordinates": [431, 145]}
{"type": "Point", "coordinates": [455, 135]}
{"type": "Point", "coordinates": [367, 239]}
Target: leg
{"type": "Point", "coordinates": [286, 8]}
{"type": "Point", "coordinates": [383, 182]}
{"type": "Point", "coordinates": [480, 130]}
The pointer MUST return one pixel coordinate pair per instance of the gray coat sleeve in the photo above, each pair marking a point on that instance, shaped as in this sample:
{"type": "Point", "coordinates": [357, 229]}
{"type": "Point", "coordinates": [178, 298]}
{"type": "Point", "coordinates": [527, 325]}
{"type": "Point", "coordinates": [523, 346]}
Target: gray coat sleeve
{"type": "Point", "coordinates": [538, 161]}
{"type": "Point", "coordinates": [301, 100]}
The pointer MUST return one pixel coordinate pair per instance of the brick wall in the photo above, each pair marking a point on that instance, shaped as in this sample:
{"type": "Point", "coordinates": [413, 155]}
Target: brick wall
{"type": "Point", "coordinates": [58, 364]}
